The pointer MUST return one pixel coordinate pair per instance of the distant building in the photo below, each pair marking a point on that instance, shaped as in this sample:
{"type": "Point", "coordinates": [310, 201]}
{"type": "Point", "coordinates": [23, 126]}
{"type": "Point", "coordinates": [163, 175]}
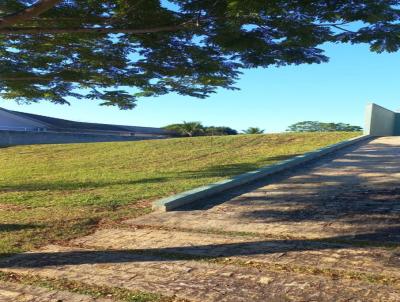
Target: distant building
{"type": "Point", "coordinates": [19, 128]}
{"type": "Point", "coordinates": [20, 121]}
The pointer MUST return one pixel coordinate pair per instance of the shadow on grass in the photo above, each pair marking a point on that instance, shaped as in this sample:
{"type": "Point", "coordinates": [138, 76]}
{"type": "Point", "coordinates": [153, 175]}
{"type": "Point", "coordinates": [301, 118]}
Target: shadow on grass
{"type": "Point", "coordinates": [6, 255]}
{"type": "Point", "coordinates": [230, 170]}
{"type": "Point", "coordinates": [227, 170]}
{"type": "Point", "coordinates": [75, 185]}
{"type": "Point", "coordinates": [17, 227]}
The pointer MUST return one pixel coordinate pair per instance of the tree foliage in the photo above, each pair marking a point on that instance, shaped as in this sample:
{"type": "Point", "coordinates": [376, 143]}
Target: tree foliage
{"type": "Point", "coordinates": [57, 50]}
{"type": "Point", "coordinates": [186, 129]}
{"type": "Point", "coordinates": [212, 130]}
{"type": "Point", "coordinates": [197, 129]}
{"type": "Point", "coordinates": [253, 130]}
{"type": "Point", "coordinates": [313, 126]}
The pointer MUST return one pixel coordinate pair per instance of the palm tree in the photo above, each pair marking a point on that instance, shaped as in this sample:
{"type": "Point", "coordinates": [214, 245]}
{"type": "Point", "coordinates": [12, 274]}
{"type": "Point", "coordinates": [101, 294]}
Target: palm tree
{"type": "Point", "coordinates": [253, 130]}
{"type": "Point", "coordinates": [191, 128]}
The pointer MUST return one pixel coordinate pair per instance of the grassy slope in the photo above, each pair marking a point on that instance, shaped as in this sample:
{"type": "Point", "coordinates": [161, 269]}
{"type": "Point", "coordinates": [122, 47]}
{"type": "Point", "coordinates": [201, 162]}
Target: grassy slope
{"type": "Point", "coordinates": [56, 192]}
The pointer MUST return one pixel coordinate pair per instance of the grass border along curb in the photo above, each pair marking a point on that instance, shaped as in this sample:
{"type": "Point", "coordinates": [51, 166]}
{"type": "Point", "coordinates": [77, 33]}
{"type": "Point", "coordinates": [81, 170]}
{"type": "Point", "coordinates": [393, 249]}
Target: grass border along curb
{"type": "Point", "coordinates": [184, 198]}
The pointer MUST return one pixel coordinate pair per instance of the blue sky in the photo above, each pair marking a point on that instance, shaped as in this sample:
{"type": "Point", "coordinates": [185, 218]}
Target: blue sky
{"type": "Point", "coordinates": [271, 98]}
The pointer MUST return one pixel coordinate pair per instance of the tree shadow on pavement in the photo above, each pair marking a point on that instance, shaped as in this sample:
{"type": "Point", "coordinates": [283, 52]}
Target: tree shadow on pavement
{"type": "Point", "coordinates": [252, 248]}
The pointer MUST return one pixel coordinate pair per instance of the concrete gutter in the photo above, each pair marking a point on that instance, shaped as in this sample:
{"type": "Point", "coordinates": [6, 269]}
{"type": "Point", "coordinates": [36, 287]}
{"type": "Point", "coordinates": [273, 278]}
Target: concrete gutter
{"type": "Point", "coordinates": [178, 200]}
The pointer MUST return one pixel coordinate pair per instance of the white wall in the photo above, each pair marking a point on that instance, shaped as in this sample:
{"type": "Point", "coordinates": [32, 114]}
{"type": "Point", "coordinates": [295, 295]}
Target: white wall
{"type": "Point", "coordinates": [14, 122]}
{"type": "Point", "coordinates": [379, 121]}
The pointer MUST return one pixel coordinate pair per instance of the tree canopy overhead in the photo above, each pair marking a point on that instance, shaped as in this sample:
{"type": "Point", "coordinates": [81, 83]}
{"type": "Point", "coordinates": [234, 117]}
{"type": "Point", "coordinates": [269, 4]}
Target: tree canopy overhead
{"type": "Point", "coordinates": [55, 49]}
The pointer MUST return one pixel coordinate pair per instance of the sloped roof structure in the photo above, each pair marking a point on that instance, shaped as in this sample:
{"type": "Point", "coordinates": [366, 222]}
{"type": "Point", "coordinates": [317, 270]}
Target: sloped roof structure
{"type": "Point", "coordinates": [58, 124]}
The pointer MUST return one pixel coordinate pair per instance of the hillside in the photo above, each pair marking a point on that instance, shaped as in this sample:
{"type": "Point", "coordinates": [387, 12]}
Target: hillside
{"type": "Point", "coordinates": [56, 192]}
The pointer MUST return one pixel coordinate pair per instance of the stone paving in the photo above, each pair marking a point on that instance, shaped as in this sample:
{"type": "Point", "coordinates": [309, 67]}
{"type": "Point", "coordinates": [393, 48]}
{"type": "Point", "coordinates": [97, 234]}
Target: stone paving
{"type": "Point", "coordinates": [329, 231]}
{"type": "Point", "coordinates": [324, 255]}
{"type": "Point", "coordinates": [12, 292]}
{"type": "Point", "coordinates": [354, 195]}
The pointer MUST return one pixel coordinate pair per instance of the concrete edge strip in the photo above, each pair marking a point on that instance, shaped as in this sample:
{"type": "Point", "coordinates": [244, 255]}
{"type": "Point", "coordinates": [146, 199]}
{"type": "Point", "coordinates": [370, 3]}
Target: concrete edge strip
{"type": "Point", "coordinates": [184, 198]}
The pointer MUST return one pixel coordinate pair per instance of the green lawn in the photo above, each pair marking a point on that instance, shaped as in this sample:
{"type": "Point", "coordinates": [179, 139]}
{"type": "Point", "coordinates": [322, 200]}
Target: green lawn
{"type": "Point", "coordinates": [57, 192]}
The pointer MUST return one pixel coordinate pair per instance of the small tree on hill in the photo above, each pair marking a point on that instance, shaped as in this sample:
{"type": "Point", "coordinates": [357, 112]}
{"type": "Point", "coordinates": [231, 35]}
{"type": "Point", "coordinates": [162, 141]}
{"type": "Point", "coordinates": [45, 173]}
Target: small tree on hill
{"type": "Point", "coordinates": [187, 128]}
{"type": "Point", "coordinates": [212, 130]}
{"type": "Point", "coordinates": [253, 130]}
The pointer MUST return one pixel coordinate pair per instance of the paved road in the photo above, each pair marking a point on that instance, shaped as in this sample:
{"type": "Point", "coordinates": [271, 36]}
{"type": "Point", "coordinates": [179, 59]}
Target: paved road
{"type": "Point", "coordinates": [329, 231]}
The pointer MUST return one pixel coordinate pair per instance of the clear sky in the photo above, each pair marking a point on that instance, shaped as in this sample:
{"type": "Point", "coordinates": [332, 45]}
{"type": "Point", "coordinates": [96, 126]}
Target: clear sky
{"type": "Point", "coordinates": [271, 98]}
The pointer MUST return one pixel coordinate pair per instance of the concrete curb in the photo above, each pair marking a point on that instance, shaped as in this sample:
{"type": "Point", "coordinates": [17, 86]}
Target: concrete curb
{"type": "Point", "coordinates": [178, 200]}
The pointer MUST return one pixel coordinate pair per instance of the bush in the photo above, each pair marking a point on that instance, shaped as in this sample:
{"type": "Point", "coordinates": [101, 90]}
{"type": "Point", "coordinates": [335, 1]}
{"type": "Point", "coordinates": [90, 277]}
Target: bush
{"type": "Point", "coordinates": [197, 129]}
{"type": "Point", "coordinates": [253, 130]}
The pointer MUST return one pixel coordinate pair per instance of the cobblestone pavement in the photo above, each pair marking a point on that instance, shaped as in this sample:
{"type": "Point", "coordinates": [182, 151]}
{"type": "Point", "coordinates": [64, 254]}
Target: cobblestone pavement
{"type": "Point", "coordinates": [12, 292]}
{"type": "Point", "coordinates": [329, 231]}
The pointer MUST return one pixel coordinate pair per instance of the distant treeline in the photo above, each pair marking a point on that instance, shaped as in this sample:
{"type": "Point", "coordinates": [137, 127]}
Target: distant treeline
{"type": "Point", "coordinates": [314, 126]}
{"type": "Point", "coordinates": [198, 129]}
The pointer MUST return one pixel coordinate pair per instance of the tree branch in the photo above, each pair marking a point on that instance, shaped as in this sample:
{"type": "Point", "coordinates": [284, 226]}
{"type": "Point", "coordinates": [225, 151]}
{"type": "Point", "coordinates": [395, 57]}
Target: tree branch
{"type": "Point", "coordinates": [30, 79]}
{"type": "Point", "coordinates": [95, 30]}
{"type": "Point", "coordinates": [337, 26]}
{"type": "Point", "coordinates": [38, 79]}
{"type": "Point", "coordinates": [343, 29]}
{"type": "Point", "coordinates": [35, 10]}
